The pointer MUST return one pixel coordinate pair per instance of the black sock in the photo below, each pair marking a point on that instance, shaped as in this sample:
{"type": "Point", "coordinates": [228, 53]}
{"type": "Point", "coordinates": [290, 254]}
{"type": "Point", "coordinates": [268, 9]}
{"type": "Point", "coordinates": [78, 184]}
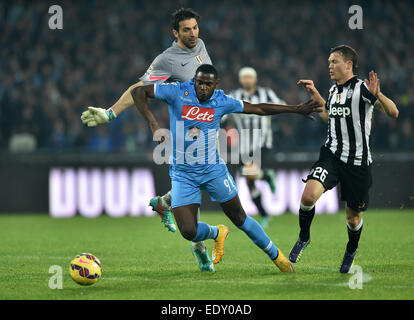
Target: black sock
{"type": "Point", "coordinates": [258, 202]}
{"type": "Point", "coordinates": [305, 220]}
{"type": "Point", "coordinates": [353, 237]}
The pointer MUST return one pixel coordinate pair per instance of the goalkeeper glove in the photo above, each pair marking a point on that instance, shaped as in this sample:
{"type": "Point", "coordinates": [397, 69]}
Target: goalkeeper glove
{"type": "Point", "coordinates": [94, 116]}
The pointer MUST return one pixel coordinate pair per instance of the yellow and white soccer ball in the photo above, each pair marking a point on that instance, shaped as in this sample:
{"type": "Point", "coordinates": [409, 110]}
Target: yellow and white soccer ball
{"type": "Point", "coordinates": [85, 269]}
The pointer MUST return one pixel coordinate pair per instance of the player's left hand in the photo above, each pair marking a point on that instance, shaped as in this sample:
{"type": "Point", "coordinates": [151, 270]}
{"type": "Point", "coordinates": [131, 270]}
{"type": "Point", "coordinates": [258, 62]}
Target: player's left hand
{"type": "Point", "coordinates": [373, 83]}
{"type": "Point", "coordinates": [308, 107]}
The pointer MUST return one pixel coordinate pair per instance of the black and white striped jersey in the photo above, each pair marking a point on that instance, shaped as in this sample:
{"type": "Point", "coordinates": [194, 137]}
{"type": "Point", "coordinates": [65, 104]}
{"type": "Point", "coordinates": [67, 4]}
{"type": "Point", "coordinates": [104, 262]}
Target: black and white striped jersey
{"type": "Point", "coordinates": [350, 107]}
{"type": "Point", "coordinates": [245, 123]}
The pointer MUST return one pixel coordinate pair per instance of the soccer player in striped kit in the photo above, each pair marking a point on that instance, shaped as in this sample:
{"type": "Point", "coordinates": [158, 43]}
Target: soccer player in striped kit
{"type": "Point", "coordinates": [345, 158]}
{"type": "Point", "coordinates": [253, 93]}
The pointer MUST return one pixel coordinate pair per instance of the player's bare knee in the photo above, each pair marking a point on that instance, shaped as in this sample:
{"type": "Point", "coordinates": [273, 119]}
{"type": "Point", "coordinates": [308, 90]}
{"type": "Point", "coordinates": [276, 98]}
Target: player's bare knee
{"type": "Point", "coordinates": [188, 233]}
{"type": "Point", "coordinates": [236, 215]}
{"type": "Point", "coordinates": [353, 218]}
{"type": "Point", "coordinates": [353, 221]}
{"type": "Point", "coordinates": [308, 198]}
{"type": "Point", "coordinates": [234, 211]}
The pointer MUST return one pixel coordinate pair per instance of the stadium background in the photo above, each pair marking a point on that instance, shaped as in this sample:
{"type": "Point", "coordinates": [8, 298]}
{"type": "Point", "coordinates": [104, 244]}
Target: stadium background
{"type": "Point", "coordinates": [49, 76]}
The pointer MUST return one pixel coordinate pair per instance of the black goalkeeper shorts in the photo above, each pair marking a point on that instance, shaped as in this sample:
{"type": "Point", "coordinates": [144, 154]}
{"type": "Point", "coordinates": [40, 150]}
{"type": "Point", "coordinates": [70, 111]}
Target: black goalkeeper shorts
{"type": "Point", "coordinates": [355, 181]}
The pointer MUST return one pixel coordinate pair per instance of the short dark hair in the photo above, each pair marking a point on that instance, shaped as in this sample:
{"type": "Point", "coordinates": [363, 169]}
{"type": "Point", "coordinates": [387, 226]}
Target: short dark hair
{"type": "Point", "coordinates": [181, 15]}
{"type": "Point", "coordinates": [209, 69]}
{"type": "Point", "coordinates": [348, 53]}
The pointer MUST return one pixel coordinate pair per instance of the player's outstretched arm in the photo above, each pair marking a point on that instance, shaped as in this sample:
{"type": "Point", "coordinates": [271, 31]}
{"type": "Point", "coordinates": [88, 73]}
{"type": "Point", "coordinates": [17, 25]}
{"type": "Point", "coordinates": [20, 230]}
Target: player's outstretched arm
{"type": "Point", "coordinates": [140, 97]}
{"type": "Point", "coordinates": [125, 101]}
{"type": "Point", "coordinates": [383, 103]}
{"type": "Point", "coordinates": [310, 88]}
{"type": "Point", "coordinates": [95, 116]}
{"type": "Point", "coordinates": [264, 109]}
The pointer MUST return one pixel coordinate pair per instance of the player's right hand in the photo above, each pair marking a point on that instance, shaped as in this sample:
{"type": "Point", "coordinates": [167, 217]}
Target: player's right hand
{"type": "Point", "coordinates": [308, 86]}
{"type": "Point", "coordinates": [94, 116]}
{"type": "Point", "coordinates": [313, 92]}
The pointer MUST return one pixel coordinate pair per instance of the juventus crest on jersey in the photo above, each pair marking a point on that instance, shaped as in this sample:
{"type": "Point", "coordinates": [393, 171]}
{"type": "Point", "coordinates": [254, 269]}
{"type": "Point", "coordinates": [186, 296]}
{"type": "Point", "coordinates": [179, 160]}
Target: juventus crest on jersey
{"type": "Point", "coordinates": [350, 108]}
{"type": "Point", "coordinates": [248, 140]}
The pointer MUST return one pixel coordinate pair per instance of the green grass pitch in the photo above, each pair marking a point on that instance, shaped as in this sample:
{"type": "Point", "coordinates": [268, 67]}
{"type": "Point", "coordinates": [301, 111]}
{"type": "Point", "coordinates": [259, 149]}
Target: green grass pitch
{"type": "Point", "coordinates": [141, 260]}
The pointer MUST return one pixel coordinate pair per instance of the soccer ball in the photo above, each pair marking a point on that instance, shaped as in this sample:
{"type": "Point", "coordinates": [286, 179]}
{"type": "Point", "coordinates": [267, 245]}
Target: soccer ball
{"type": "Point", "coordinates": [85, 269]}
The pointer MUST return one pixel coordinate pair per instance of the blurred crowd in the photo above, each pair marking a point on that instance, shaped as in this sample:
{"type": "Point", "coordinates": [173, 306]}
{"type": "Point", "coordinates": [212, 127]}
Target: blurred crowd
{"type": "Point", "coordinates": [48, 77]}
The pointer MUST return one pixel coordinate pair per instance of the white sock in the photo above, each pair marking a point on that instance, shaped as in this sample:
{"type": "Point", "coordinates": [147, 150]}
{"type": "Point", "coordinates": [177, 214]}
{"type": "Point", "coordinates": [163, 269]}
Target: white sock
{"type": "Point", "coordinates": [166, 200]}
{"type": "Point", "coordinates": [357, 227]}
{"type": "Point", "coordinates": [199, 246]}
{"type": "Point", "coordinates": [306, 208]}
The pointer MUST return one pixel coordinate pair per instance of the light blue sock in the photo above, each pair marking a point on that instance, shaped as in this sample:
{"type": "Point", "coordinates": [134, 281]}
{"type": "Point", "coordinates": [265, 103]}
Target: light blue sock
{"type": "Point", "coordinates": [259, 237]}
{"type": "Point", "coordinates": [205, 231]}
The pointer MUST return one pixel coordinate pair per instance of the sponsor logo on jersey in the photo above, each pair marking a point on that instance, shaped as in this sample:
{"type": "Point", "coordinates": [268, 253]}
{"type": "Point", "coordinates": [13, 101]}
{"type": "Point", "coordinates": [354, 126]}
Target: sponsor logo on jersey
{"type": "Point", "coordinates": [338, 111]}
{"type": "Point", "coordinates": [197, 113]}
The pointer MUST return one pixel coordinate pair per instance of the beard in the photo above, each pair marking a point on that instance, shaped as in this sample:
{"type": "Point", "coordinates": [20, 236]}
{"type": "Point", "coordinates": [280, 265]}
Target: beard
{"type": "Point", "coordinates": [188, 43]}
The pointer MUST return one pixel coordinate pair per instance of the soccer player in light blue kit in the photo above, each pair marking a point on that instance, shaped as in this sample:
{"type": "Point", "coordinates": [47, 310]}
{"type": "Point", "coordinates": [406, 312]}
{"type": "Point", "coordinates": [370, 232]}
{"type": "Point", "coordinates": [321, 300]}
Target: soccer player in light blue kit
{"type": "Point", "coordinates": [177, 63]}
{"type": "Point", "coordinates": [195, 109]}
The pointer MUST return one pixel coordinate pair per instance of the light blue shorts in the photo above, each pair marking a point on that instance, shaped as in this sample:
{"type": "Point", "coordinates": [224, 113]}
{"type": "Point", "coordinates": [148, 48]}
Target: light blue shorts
{"type": "Point", "coordinates": [186, 187]}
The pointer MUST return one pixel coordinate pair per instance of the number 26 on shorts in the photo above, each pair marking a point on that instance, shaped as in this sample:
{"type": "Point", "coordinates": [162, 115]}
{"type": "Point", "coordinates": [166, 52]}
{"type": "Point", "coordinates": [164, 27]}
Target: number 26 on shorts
{"type": "Point", "coordinates": [319, 173]}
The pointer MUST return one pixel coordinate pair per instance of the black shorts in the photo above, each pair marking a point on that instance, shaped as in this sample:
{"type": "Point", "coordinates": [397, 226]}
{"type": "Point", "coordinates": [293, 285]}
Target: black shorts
{"type": "Point", "coordinates": [355, 181]}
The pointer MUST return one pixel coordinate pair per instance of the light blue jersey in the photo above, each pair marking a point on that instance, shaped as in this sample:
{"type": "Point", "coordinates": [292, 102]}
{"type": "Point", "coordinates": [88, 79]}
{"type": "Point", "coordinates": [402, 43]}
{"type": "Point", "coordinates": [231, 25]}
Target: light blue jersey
{"type": "Point", "coordinates": [194, 126]}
